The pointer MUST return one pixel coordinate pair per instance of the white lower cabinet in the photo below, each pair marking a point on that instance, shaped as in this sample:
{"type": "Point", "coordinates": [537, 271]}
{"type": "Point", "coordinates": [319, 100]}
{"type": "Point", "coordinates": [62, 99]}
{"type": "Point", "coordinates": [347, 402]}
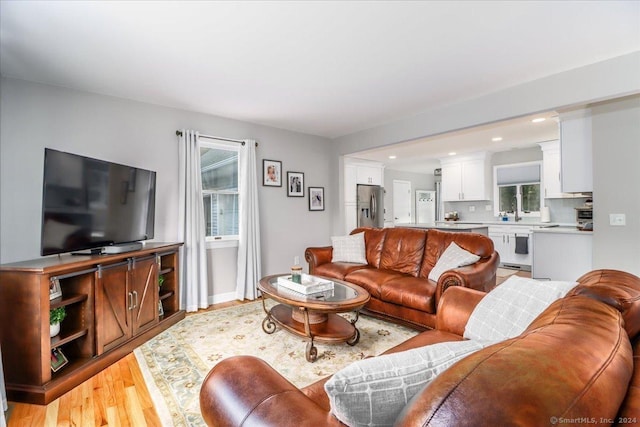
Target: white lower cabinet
{"type": "Point", "coordinates": [561, 256]}
{"type": "Point", "coordinates": [505, 241]}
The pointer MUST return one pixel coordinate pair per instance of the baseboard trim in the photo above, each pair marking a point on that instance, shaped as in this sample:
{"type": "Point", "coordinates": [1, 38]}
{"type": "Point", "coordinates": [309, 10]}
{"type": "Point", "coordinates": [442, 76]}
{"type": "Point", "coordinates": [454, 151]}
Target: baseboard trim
{"type": "Point", "coordinates": [226, 297]}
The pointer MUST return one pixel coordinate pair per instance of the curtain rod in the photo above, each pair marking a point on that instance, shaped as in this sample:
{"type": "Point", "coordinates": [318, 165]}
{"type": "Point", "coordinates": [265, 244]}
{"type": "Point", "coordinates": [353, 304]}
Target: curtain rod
{"type": "Point", "coordinates": [239, 141]}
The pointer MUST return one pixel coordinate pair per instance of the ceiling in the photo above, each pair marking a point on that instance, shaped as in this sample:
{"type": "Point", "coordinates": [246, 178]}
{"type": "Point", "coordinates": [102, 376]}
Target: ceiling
{"type": "Point", "coordinates": [323, 68]}
{"type": "Point", "coordinates": [422, 155]}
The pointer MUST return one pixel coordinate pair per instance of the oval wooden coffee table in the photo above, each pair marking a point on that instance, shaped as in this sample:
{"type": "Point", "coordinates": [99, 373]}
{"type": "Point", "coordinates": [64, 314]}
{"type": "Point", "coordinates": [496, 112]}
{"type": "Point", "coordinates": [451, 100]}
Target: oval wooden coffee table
{"type": "Point", "coordinates": [314, 316]}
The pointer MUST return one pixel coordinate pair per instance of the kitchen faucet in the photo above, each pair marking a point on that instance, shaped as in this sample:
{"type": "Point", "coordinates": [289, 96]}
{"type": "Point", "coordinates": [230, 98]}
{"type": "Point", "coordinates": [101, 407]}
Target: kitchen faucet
{"type": "Point", "coordinates": [515, 209]}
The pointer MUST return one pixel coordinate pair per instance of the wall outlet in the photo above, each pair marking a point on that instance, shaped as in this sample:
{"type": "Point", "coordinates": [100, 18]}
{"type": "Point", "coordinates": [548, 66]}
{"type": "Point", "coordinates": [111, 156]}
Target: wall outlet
{"type": "Point", "coordinates": [472, 208]}
{"type": "Point", "coordinates": [617, 219]}
{"type": "Point", "coordinates": [488, 208]}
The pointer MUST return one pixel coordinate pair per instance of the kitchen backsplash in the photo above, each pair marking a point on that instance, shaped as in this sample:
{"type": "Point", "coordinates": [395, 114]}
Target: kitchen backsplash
{"type": "Point", "coordinates": [562, 210]}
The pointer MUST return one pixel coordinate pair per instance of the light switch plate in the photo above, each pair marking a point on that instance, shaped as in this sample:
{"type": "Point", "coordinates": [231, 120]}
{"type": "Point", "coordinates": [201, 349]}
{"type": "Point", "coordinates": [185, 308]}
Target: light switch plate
{"type": "Point", "coordinates": [488, 207]}
{"type": "Point", "coordinates": [617, 219]}
{"type": "Point", "coordinates": [472, 208]}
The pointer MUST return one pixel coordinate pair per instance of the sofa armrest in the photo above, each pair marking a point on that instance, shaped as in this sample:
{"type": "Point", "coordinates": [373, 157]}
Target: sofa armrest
{"type": "Point", "coordinates": [480, 276]}
{"type": "Point", "coordinates": [455, 308]}
{"type": "Point", "coordinates": [318, 256]}
{"type": "Point", "coordinates": [231, 396]}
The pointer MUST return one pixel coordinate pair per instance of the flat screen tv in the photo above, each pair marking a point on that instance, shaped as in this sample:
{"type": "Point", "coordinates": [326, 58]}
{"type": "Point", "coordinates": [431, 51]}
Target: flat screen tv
{"type": "Point", "coordinates": [88, 203]}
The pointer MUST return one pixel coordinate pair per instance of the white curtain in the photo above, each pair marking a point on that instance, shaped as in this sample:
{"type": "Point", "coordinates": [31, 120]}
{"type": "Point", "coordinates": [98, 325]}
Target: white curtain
{"type": "Point", "coordinates": [194, 286]}
{"type": "Point", "coordinates": [249, 271]}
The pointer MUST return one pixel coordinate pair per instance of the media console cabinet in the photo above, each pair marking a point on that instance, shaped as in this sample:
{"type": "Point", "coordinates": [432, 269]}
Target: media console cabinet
{"type": "Point", "coordinates": [113, 303]}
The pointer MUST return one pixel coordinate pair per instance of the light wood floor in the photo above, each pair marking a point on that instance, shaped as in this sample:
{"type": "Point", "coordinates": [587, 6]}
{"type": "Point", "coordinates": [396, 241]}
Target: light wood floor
{"type": "Point", "coordinates": [117, 396]}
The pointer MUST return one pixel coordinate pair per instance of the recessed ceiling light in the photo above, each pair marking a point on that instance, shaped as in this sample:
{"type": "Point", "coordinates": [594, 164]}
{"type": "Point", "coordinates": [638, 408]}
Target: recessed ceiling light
{"type": "Point", "coordinates": [392, 157]}
{"type": "Point", "coordinates": [538, 120]}
{"type": "Point", "coordinates": [453, 153]}
{"type": "Point", "coordinates": [496, 139]}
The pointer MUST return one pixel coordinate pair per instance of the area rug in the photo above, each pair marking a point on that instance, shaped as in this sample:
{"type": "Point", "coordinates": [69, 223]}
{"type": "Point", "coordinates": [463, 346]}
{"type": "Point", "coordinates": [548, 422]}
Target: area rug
{"type": "Point", "coordinates": [175, 362]}
{"type": "Point", "coordinates": [505, 272]}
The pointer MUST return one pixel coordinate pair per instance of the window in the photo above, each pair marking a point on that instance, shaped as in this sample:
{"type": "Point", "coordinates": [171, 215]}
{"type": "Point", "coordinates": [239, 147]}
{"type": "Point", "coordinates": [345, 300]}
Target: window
{"type": "Point", "coordinates": [219, 171]}
{"type": "Point", "coordinates": [518, 187]}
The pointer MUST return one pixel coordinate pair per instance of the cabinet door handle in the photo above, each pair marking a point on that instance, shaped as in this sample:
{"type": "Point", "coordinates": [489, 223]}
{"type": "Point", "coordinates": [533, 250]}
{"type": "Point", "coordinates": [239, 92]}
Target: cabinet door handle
{"type": "Point", "coordinates": [135, 294]}
{"type": "Point", "coordinates": [130, 301]}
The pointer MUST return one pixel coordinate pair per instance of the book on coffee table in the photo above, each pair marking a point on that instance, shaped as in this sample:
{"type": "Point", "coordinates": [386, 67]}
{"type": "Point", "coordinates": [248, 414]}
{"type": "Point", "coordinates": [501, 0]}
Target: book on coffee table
{"type": "Point", "coordinates": [310, 284]}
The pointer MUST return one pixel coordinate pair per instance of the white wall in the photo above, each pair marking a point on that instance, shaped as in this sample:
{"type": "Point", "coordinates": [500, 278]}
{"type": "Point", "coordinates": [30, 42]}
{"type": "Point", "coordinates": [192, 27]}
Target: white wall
{"type": "Point", "coordinates": [606, 80]}
{"type": "Point", "coordinates": [34, 116]}
{"type": "Point", "coordinates": [616, 182]}
{"type": "Point", "coordinates": [419, 181]}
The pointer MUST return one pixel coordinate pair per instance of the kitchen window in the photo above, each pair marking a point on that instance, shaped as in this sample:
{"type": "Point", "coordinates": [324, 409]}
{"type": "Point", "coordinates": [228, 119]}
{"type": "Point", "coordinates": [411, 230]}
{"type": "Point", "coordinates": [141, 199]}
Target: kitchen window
{"type": "Point", "coordinates": [219, 172]}
{"type": "Point", "coordinates": [517, 188]}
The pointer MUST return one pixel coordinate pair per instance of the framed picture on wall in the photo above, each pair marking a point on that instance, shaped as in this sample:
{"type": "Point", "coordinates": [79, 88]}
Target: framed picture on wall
{"type": "Point", "coordinates": [271, 173]}
{"type": "Point", "coordinates": [295, 184]}
{"type": "Point", "coordinates": [316, 198]}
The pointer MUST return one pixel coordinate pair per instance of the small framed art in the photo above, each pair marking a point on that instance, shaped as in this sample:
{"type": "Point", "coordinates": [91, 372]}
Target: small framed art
{"type": "Point", "coordinates": [54, 288]}
{"type": "Point", "coordinates": [58, 359]}
{"type": "Point", "coordinates": [295, 184]}
{"type": "Point", "coordinates": [271, 173]}
{"type": "Point", "coordinates": [316, 198]}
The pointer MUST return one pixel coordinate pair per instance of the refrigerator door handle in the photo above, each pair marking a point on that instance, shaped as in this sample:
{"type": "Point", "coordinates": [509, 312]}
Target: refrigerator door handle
{"type": "Point", "coordinates": [374, 207]}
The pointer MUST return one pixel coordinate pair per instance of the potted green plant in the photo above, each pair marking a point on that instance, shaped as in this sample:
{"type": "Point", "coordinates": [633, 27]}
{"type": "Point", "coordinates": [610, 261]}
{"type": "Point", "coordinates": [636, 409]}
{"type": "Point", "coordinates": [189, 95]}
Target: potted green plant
{"type": "Point", "coordinates": [56, 316]}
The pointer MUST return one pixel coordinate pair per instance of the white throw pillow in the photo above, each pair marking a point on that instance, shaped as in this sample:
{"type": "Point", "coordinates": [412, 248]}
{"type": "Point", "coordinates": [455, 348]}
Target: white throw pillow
{"type": "Point", "coordinates": [349, 249]}
{"type": "Point", "coordinates": [509, 308]}
{"type": "Point", "coordinates": [454, 256]}
{"type": "Point", "coordinates": [373, 392]}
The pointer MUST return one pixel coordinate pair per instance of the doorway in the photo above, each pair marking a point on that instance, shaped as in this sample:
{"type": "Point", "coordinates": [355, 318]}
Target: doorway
{"type": "Point", "coordinates": [402, 202]}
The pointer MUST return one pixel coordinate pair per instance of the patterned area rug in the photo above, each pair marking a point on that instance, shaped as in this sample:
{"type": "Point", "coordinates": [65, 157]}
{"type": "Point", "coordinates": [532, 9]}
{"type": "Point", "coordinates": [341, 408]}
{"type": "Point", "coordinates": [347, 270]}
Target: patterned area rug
{"type": "Point", "coordinates": [175, 362]}
{"type": "Point", "coordinates": [505, 272]}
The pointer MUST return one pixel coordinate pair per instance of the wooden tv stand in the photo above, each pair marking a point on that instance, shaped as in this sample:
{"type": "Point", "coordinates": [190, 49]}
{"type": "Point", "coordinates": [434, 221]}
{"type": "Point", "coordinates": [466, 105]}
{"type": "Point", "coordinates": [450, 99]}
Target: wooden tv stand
{"type": "Point", "coordinates": [112, 304]}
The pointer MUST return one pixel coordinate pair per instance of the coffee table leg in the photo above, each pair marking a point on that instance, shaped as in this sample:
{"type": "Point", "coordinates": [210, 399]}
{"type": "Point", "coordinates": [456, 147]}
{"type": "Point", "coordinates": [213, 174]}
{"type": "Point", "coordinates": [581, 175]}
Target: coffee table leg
{"type": "Point", "coordinates": [356, 336]}
{"type": "Point", "coordinates": [268, 325]}
{"type": "Point", "coordinates": [312, 351]}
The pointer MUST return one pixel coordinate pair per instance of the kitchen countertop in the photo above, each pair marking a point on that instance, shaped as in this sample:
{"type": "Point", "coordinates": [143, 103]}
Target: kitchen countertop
{"type": "Point", "coordinates": [448, 225]}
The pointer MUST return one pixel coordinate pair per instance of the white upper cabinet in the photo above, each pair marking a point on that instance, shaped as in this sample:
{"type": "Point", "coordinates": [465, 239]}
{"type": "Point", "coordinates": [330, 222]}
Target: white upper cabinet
{"type": "Point", "coordinates": [467, 178]}
{"type": "Point", "coordinates": [551, 171]}
{"type": "Point", "coordinates": [371, 175]}
{"type": "Point", "coordinates": [576, 153]}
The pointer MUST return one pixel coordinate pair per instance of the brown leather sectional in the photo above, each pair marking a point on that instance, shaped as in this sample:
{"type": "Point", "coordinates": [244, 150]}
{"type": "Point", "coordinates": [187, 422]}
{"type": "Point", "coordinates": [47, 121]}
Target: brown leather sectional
{"type": "Point", "coordinates": [399, 262]}
{"type": "Point", "coordinates": [576, 364]}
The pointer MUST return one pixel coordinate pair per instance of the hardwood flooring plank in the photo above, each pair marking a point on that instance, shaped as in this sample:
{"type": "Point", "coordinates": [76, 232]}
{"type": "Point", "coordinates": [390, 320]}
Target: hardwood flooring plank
{"type": "Point", "coordinates": [51, 414]}
{"type": "Point", "coordinates": [115, 397]}
{"type": "Point", "coordinates": [133, 407]}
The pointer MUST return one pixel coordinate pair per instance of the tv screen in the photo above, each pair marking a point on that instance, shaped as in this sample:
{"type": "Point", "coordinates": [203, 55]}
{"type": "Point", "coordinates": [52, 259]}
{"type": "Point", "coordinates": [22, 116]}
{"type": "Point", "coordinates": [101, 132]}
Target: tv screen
{"type": "Point", "coordinates": [89, 203]}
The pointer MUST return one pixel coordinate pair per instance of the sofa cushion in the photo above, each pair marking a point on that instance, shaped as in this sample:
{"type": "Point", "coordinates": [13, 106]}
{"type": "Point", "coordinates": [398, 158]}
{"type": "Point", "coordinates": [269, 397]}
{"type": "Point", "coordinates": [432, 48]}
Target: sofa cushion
{"type": "Point", "coordinates": [374, 239]}
{"type": "Point", "coordinates": [403, 250]}
{"type": "Point", "coordinates": [371, 279]}
{"type": "Point", "coordinates": [337, 270]}
{"type": "Point", "coordinates": [454, 256]}
{"type": "Point", "coordinates": [618, 289]}
{"type": "Point", "coordinates": [374, 391]}
{"type": "Point", "coordinates": [410, 291]}
{"type": "Point", "coordinates": [438, 241]}
{"type": "Point", "coordinates": [349, 249]}
{"type": "Point", "coordinates": [509, 309]}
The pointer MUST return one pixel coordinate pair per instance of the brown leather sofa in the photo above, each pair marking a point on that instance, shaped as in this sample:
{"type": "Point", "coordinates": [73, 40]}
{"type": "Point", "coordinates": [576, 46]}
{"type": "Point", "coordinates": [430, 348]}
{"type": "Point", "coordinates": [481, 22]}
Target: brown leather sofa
{"type": "Point", "coordinates": [399, 262]}
{"type": "Point", "coordinates": [578, 363]}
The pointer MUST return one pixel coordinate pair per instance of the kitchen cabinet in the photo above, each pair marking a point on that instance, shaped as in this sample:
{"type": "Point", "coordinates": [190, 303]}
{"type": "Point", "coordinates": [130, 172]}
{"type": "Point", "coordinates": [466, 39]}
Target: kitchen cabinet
{"type": "Point", "coordinates": [371, 175]}
{"type": "Point", "coordinates": [466, 179]}
{"type": "Point", "coordinates": [112, 306]}
{"type": "Point", "coordinates": [551, 171]}
{"type": "Point", "coordinates": [561, 255]}
{"type": "Point", "coordinates": [576, 152]}
{"type": "Point", "coordinates": [504, 242]}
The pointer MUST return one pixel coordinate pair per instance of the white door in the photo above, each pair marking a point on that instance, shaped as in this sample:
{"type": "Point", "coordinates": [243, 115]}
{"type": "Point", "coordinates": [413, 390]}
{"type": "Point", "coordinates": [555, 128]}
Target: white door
{"type": "Point", "coordinates": [401, 202]}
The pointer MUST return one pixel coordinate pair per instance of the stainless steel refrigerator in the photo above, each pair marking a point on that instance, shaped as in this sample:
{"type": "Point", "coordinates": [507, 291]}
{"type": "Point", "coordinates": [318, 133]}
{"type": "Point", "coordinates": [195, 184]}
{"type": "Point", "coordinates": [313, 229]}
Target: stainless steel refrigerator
{"type": "Point", "coordinates": [370, 206]}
